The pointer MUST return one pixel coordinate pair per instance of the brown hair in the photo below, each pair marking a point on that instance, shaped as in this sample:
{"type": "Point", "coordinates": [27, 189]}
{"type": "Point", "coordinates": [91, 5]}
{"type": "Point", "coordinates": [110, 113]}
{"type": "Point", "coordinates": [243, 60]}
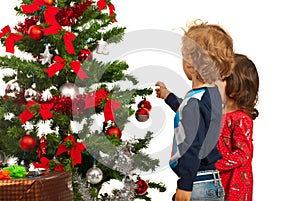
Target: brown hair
{"type": "Point", "coordinates": [211, 49]}
{"type": "Point", "coordinates": [243, 84]}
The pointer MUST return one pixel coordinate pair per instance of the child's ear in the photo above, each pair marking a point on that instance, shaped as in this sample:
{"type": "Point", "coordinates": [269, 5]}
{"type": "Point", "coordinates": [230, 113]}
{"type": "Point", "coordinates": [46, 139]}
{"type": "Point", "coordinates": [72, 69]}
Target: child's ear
{"type": "Point", "coordinates": [193, 70]}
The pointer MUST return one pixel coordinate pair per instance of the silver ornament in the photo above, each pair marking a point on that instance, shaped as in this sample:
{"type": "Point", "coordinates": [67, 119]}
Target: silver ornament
{"type": "Point", "coordinates": [94, 175]}
{"type": "Point", "coordinates": [13, 89]}
{"type": "Point", "coordinates": [102, 47]}
{"type": "Point", "coordinates": [46, 56]}
{"type": "Point", "coordinates": [30, 94]}
{"type": "Point", "coordinates": [69, 90]}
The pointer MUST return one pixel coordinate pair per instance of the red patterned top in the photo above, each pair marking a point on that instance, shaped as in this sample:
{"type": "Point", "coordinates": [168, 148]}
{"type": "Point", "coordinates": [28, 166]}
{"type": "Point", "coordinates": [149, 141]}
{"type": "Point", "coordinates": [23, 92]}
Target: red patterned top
{"type": "Point", "coordinates": [235, 145]}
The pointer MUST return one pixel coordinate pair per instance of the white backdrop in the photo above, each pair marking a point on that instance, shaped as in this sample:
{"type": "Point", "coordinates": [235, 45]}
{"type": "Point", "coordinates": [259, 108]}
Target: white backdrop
{"type": "Point", "coordinates": [268, 32]}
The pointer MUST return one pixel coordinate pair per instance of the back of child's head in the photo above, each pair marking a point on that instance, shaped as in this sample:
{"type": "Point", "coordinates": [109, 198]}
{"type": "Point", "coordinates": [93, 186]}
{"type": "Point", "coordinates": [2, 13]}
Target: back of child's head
{"type": "Point", "coordinates": [211, 50]}
{"type": "Point", "coordinates": [243, 84]}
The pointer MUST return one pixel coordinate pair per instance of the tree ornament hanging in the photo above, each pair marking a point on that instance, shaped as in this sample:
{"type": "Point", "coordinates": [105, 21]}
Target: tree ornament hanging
{"type": "Point", "coordinates": [145, 104]}
{"type": "Point", "coordinates": [69, 90]}
{"type": "Point", "coordinates": [13, 89]}
{"type": "Point", "coordinates": [141, 186]}
{"type": "Point", "coordinates": [102, 47]}
{"type": "Point", "coordinates": [94, 175]}
{"type": "Point", "coordinates": [114, 130]}
{"type": "Point", "coordinates": [23, 27]}
{"type": "Point", "coordinates": [143, 111]}
{"type": "Point", "coordinates": [85, 54]}
{"type": "Point", "coordinates": [43, 144]}
{"type": "Point", "coordinates": [46, 57]}
{"type": "Point", "coordinates": [142, 114]}
{"type": "Point", "coordinates": [27, 142]}
{"type": "Point", "coordinates": [35, 32]}
{"type": "Point", "coordinates": [31, 95]}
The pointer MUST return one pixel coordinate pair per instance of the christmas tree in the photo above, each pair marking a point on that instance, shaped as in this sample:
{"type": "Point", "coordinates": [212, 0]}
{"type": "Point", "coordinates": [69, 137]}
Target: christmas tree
{"type": "Point", "coordinates": [63, 86]}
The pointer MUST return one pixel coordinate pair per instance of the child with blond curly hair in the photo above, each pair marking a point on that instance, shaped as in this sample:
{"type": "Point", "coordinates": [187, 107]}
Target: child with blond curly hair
{"type": "Point", "coordinates": [207, 51]}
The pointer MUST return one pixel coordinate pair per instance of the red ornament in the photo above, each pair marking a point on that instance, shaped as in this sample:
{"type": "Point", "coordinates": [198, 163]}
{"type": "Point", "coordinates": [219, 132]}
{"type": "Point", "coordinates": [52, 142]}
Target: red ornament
{"type": "Point", "coordinates": [85, 54]}
{"type": "Point", "coordinates": [27, 142]}
{"type": "Point", "coordinates": [142, 187]}
{"type": "Point", "coordinates": [48, 2]}
{"type": "Point", "coordinates": [35, 32]}
{"type": "Point", "coordinates": [145, 104]}
{"type": "Point", "coordinates": [142, 114]}
{"type": "Point", "coordinates": [23, 27]}
{"type": "Point", "coordinates": [114, 130]}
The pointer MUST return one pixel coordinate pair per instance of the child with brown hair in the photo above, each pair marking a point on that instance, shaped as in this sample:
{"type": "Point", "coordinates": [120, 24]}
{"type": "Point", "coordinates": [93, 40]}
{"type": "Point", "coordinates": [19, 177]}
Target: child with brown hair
{"type": "Point", "coordinates": [207, 52]}
{"type": "Point", "coordinates": [235, 142]}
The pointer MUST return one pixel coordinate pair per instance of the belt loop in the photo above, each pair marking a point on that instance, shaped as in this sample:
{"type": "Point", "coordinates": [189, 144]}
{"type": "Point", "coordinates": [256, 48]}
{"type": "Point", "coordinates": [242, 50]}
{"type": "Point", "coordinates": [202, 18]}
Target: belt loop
{"type": "Point", "coordinates": [215, 180]}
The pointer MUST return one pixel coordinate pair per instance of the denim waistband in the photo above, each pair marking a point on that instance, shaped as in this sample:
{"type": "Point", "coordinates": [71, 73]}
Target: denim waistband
{"type": "Point", "coordinates": [207, 176]}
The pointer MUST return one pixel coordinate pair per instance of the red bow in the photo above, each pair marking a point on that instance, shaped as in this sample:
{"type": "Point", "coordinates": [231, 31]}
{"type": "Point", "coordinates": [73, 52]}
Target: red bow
{"type": "Point", "coordinates": [94, 99]}
{"type": "Point", "coordinates": [59, 64]}
{"type": "Point", "coordinates": [102, 4]}
{"type": "Point", "coordinates": [44, 163]}
{"type": "Point", "coordinates": [54, 27]}
{"type": "Point", "coordinates": [35, 6]}
{"type": "Point", "coordinates": [68, 38]}
{"type": "Point", "coordinates": [44, 111]}
{"type": "Point", "coordinates": [75, 152]}
{"type": "Point", "coordinates": [10, 40]}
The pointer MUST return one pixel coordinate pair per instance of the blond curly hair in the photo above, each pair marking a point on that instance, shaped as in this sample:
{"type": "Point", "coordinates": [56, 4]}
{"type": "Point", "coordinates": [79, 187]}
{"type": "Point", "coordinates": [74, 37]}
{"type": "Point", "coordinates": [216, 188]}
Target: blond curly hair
{"type": "Point", "coordinates": [210, 48]}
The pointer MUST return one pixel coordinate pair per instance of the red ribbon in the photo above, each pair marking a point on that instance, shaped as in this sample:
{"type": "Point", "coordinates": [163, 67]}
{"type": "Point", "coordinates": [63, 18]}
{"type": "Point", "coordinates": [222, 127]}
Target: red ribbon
{"type": "Point", "coordinates": [111, 8]}
{"type": "Point", "coordinates": [11, 39]}
{"type": "Point", "coordinates": [102, 4]}
{"type": "Point", "coordinates": [50, 19]}
{"type": "Point", "coordinates": [35, 6]}
{"type": "Point", "coordinates": [59, 64]}
{"type": "Point", "coordinates": [68, 38]}
{"type": "Point", "coordinates": [44, 163]}
{"type": "Point", "coordinates": [94, 99]}
{"type": "Point", "coordinates": [75, 152]}
{"type": "Point", "coordinates": [44, 111]}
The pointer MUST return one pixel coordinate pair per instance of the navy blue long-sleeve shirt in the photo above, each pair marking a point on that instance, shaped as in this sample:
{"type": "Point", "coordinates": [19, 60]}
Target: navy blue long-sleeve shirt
{"type": "Point", "coordinates": [196, 132]}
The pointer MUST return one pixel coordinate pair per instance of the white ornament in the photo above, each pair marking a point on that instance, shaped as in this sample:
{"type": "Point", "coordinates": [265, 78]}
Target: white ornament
{"type": "Point", "coordinates": [69, 90]}
{"type": "Point", "coordinates": [13, 89]}
{"type": "Point", "coordinates": [30, 94]}
{"type": "Point", "coordinates": [46, 56]}
{"type": "Point", "coordinates": [102, 47]}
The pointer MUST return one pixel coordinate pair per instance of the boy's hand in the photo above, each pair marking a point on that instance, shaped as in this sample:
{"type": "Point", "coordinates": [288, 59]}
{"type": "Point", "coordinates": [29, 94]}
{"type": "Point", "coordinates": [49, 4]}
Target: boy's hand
{"type": "Point", "coordinates": [182, 195]}
{"type": "Point", "coordinates": [162, 91]}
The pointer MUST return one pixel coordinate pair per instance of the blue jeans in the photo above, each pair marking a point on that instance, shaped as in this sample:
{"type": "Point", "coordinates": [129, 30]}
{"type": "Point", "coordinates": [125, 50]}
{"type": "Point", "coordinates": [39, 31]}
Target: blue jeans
{"type": "Point", "coordinates": [209, 190]}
